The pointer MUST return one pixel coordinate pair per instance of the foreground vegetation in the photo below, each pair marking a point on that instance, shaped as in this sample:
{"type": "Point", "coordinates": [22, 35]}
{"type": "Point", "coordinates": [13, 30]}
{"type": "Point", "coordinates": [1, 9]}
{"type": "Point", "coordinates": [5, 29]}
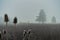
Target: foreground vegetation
{"type": "Point", "coordinates": [39, 31]}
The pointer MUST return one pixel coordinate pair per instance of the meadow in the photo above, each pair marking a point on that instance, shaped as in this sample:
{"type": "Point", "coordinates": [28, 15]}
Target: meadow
{"type": "Point", "coordinates": [38, 32]}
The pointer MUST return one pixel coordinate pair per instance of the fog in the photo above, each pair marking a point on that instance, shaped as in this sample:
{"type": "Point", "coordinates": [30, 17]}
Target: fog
{"type": "Point", "coordinates": [27, 10]}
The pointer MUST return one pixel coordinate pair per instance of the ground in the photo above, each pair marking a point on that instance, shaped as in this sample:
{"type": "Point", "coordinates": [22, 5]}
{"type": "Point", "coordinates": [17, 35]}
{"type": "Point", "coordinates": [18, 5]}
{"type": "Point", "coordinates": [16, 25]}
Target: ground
{"type": "Point", "coordinates": [39, 31]}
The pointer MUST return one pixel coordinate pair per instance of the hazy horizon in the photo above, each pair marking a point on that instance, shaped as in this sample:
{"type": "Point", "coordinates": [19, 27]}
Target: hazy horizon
{"type": "Point", "coordinates": [27, 10]}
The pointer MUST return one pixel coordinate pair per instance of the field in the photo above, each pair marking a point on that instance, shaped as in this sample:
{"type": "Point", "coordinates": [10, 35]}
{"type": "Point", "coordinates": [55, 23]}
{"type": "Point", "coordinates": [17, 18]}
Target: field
{"type": "Point", "coordinates": [39, 31]}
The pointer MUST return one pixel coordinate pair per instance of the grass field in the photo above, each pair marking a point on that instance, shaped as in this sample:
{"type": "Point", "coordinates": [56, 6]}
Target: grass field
{"type": "Point", "coordinates": [39, 31]}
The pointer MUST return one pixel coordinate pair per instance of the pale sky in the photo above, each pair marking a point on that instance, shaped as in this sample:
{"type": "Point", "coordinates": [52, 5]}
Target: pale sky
{"type": "Point", "coordinates": [28, 9]}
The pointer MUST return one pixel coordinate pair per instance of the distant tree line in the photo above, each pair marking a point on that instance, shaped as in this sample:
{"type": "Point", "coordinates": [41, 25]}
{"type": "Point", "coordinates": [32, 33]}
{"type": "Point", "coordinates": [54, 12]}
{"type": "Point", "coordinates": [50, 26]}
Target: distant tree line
{"type": "Point", "coordinates": [42, 17]}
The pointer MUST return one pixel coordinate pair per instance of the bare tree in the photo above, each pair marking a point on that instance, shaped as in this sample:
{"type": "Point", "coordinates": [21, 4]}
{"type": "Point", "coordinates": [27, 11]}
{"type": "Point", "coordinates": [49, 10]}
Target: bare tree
{"type": "Point", "coordinates": [6, 19]}
{"type": "Point", "coordinates": [15, 21]}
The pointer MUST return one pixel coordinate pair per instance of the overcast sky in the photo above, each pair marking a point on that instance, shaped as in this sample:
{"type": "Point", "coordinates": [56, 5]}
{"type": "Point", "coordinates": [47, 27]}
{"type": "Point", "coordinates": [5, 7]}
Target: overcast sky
{"type": "Point", "coordinates": [28, 9]}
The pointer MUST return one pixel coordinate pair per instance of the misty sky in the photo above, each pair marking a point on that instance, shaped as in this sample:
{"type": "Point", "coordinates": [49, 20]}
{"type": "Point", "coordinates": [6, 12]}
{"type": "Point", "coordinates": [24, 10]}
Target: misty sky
{"type": "Point", "coordinates": [28, 9]}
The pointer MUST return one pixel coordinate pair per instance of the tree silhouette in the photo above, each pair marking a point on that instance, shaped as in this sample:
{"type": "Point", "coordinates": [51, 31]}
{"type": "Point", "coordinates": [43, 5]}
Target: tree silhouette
{"type": "Point", "coordinates": [41, 17]}
{"type": "Point", "coordinates": [6, 19]}
{"type": "Point", "coordinates": [53, 19]}
{"type": "Point", "coordinates": [15, 21]}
